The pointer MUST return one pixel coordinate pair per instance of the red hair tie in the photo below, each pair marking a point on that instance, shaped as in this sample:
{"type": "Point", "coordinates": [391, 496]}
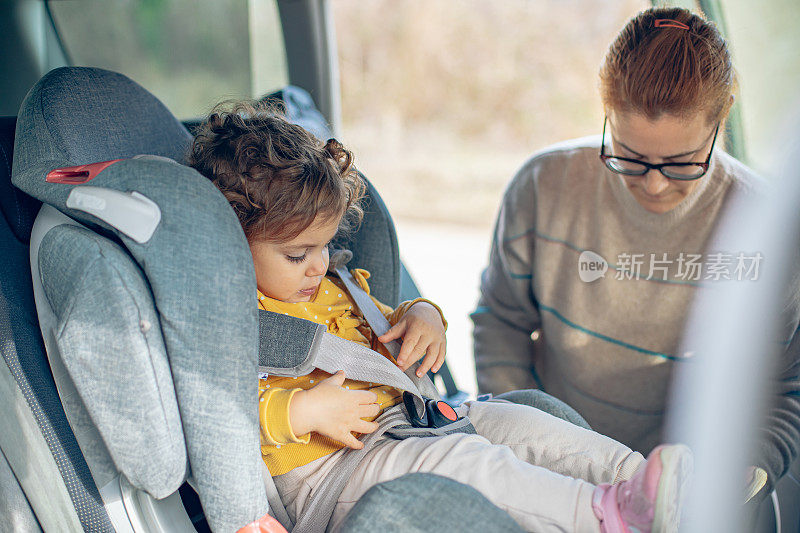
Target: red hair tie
{"type": "Point", "coordinates": [669, 23]}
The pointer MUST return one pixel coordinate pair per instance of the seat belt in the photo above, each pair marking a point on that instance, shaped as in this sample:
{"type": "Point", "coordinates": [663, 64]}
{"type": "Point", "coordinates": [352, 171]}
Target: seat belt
{"type": "Point", "coordinates": [380, 325]}
{"type": "Point", "coordinates": [360, 363]}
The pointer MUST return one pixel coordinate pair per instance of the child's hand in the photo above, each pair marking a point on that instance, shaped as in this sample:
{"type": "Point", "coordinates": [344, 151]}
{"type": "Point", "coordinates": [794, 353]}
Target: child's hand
{"type": "Point", "coordinates": [422, 331]}
{"type": "Point", "coordinates": [333, 411]}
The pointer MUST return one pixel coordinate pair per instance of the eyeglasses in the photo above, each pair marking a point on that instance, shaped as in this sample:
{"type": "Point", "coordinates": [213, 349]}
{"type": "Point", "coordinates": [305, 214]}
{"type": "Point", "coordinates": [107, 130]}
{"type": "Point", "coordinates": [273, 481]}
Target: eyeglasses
{"type": "Point", "coordinates": [673, 171]}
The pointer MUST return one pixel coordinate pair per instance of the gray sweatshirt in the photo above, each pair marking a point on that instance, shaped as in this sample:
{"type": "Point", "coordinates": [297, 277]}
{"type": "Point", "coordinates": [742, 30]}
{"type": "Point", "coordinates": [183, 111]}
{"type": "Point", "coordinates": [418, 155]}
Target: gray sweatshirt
{"type": "Point", "coordinates": [586, 295]}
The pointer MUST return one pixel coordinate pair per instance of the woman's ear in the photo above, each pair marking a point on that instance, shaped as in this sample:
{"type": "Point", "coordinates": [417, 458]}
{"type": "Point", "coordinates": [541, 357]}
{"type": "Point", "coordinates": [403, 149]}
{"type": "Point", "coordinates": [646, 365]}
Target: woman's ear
{"type": "Point", "coordinates": [728, 107]}
{"type": "Point", "coordinates": [724, 112]}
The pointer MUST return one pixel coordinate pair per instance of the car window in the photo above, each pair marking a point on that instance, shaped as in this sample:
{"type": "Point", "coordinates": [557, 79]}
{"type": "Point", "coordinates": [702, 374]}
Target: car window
{"type": "Point", "coordinates": [443, 101]}
{"type": "Point", "coordinates": [764, 40]}
{"type": "Point", "coordinates": [189, 53]}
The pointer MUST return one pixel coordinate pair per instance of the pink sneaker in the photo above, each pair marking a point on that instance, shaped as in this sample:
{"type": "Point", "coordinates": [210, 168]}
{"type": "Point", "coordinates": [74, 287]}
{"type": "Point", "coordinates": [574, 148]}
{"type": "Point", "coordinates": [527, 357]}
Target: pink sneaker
{"type": "Point", "coordinates": [649, 502]}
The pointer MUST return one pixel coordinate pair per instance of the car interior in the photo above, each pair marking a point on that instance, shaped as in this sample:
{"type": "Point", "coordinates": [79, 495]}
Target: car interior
{"type": "Point", "coordinates": [113, 472]}
{"type": "Point", "coordinates": [123, 443]}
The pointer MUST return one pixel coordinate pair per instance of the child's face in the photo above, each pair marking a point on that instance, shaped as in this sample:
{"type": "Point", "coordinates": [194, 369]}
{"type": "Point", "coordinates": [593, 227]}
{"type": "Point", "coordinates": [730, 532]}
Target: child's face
{"type": "Point", "coordinates": [292, 271]}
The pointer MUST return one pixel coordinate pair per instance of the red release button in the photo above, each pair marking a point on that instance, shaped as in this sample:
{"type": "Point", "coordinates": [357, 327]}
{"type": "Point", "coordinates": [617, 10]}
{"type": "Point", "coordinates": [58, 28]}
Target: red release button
{"type": "Point", "coordinates": [78, 174]}
{"type": "Point", "coordinates": [447, 411]}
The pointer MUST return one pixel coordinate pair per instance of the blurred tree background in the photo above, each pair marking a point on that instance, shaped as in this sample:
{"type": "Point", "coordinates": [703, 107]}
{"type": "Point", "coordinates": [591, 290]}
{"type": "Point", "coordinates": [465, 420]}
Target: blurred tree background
{"type": "Point", "coordinates": [765, 42]}
{"type": "Point", "coordinates": [442, 101]}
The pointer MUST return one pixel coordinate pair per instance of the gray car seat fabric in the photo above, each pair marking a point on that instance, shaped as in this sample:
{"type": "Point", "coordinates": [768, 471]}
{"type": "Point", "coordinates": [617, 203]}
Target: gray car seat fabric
{"type": "Point", "coordinates": [375, 248]}
{"type": "Point", "coordinates": [106, 313]}
{"type": "Point", "coordinates": [81, 115]}
{"type": "Point", "coordinates": [15, 510]}
{"type": "Point", "coordinates": [31, 395]}
{"type": "Point", "coordinates": [210, 337]}
{"type": "Point", "coordinates": [544, 402]}
{"type": "Point", "coordinates": [422, 503]}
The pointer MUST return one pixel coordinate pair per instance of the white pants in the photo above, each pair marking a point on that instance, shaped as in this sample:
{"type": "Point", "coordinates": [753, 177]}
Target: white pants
{"type": "Point", "coordinates": [538, 468]}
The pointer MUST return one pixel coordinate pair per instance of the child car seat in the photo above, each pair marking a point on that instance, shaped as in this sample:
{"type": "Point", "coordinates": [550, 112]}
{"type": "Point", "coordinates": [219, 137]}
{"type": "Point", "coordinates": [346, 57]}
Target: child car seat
{"type": "Point", "coordinates": [129, 401]}
{"type": "Point", "coordinates": [91, 286]}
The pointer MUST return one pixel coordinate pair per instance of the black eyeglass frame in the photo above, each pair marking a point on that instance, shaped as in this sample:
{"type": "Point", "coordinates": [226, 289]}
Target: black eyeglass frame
{"type": "Point", "coordinates": [660, 166]}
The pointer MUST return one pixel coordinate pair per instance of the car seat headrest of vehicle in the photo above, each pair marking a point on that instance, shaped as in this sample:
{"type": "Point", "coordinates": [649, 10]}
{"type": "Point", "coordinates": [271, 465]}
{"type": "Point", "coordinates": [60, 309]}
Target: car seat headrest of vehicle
{"type": "Point", "coordinates": [79, 115]}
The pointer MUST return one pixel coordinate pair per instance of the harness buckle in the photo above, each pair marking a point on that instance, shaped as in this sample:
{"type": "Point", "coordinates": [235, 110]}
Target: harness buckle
{"type": "Point", "coordinates": [431, 414]}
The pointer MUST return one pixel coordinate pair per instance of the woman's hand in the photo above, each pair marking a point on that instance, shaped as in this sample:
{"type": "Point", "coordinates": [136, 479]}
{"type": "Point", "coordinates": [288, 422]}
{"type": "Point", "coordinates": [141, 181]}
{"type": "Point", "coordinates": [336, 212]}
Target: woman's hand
{"type": "Point", "coordinates": [333, 411]}
{"type": "Point", "coordinates": [422, 331]}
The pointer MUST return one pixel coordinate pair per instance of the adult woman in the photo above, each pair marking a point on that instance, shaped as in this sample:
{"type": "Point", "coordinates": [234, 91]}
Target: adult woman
{"type": "Point", "coordinates": [643, 201]}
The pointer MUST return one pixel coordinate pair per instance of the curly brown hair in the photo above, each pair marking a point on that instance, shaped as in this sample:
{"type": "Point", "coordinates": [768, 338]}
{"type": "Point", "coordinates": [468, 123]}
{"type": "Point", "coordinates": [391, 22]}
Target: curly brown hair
{"type": "Point", "coordinates": [277, 176]}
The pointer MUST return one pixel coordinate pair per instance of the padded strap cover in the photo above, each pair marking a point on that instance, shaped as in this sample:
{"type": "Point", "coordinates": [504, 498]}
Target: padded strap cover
{"type": "Point", "coordinates": [287, 345]}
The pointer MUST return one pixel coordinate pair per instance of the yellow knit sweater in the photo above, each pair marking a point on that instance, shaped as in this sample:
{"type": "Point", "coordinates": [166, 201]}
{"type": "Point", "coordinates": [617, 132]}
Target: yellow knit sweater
{"type": "Point", "coordinates": [332, 307]}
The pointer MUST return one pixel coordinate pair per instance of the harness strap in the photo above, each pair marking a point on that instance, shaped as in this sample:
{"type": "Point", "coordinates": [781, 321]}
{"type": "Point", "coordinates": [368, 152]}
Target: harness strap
{"type": "Point", "coordinates": [317, 513]}
{"type": "Point", "coordinates": [362, 364]}
{"type": "Point", "coordinates": [276, 507]}
{"type": "Point", "coordinates": [378, 323]}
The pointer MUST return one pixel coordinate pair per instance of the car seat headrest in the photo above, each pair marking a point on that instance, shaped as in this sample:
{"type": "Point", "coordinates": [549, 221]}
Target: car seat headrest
{"type": "Point", "coordinates": [79, 115]}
